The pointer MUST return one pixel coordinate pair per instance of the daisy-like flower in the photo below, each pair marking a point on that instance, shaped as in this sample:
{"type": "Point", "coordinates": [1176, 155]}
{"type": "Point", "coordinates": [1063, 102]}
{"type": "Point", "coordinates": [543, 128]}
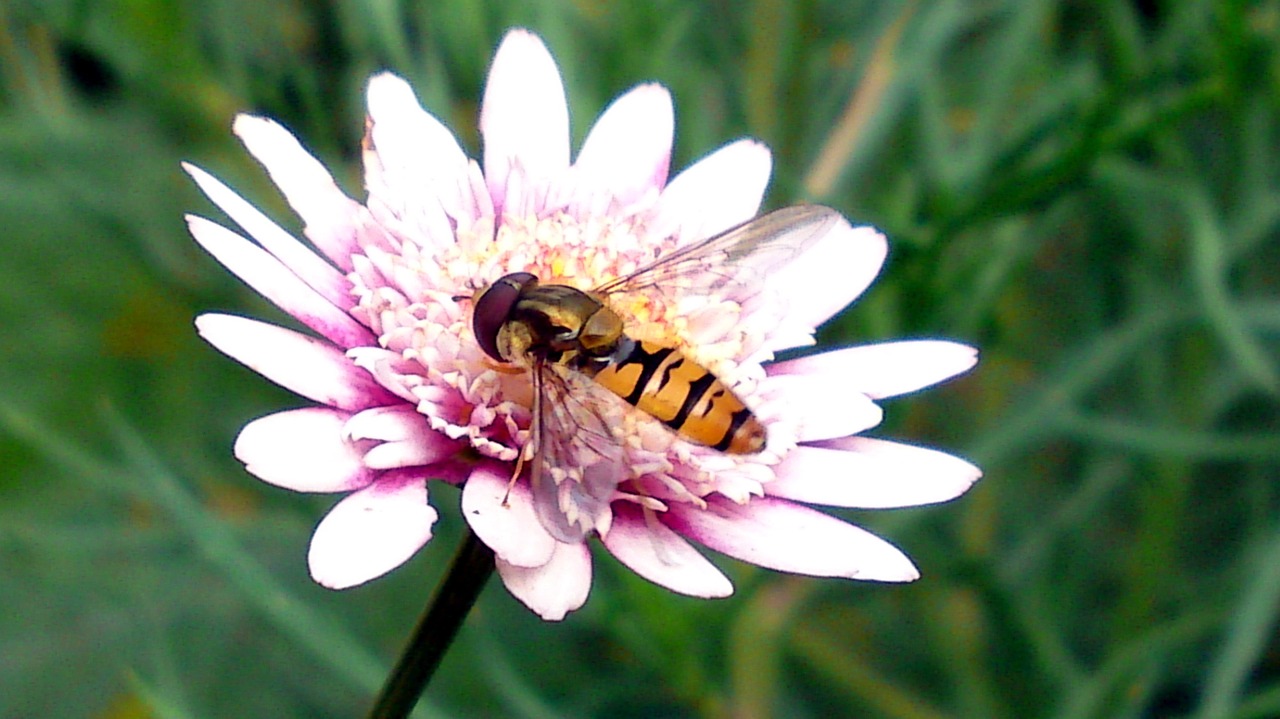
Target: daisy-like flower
{"type": "Point", "coordinates": [403, 393]}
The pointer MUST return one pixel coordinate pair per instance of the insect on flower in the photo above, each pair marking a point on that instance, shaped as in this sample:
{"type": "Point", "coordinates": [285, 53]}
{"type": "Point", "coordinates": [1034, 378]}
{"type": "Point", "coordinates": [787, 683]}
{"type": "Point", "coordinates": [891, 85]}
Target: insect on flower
{"type": "Point", "coordinates": [558, 332]}
{"type": "Point", "coordinates": [555, 335]}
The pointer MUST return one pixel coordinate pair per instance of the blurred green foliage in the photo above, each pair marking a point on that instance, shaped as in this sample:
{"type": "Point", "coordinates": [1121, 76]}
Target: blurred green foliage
{"type": "Point", "coordinates": [1087, 190]}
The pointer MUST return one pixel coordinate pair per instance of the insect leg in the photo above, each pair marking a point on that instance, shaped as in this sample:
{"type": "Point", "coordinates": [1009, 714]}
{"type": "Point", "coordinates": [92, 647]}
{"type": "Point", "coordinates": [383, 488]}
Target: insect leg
{"type": "Point", "coordinates": [530, 447]}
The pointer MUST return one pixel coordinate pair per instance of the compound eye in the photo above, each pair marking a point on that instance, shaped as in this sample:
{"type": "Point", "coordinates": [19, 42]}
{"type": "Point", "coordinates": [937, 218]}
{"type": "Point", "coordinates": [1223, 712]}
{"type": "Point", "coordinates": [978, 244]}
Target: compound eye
{"type": "Point", "coordinates": [493, 309]}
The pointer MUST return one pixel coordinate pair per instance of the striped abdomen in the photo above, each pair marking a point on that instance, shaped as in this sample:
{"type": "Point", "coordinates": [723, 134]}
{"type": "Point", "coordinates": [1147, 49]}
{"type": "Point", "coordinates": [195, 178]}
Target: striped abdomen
{"type": "Point", "coordinates": [664, 383]}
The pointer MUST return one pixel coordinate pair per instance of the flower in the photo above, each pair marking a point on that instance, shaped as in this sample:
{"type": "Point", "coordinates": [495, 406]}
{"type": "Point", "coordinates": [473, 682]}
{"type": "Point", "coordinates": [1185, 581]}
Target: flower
{"type": "Point", "coordinates": [402, 392]}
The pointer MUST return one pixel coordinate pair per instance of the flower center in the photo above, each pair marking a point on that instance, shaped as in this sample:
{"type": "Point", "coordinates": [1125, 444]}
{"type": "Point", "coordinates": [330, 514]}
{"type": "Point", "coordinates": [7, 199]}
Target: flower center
{"type": "Point", "coordinates": [419, 304]}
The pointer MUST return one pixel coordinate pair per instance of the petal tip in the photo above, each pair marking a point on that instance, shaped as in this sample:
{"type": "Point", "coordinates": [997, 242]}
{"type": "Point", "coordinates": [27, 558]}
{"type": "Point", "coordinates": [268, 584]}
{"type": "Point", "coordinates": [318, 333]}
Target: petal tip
{"type": "Point", "coordinates": [208, 322]}
{"type": "Point", "coordinates": [245, 123]}
{"type": "Point", "coordinates": [384, 87]}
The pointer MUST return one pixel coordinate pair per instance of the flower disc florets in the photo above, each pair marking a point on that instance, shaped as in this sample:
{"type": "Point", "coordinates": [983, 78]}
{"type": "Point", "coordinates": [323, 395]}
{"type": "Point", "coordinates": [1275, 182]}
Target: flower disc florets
{"type": "Point", "coordinates": [468, 395]}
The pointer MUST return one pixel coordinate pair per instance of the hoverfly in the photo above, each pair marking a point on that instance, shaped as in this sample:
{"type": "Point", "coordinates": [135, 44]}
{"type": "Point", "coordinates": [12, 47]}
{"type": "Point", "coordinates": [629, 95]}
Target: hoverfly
{"type": "Point", "coordinates": [565, 336]}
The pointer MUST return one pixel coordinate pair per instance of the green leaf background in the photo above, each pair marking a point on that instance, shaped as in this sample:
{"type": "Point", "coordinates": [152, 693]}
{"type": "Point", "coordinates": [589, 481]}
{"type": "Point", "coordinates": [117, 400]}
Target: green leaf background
{"type": "Point", "coordinates": [1087, 190]}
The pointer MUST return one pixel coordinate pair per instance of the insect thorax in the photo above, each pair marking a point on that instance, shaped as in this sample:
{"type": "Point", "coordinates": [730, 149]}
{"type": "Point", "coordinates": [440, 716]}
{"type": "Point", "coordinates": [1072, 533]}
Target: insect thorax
{"type": "Point", "coordinates": [563, 324]}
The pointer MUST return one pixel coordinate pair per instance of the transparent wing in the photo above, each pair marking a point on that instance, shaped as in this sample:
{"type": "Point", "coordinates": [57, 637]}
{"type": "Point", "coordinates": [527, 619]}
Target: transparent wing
{"type": "Point", "coordinates": [733, 263]}
{"type": "Point", "coordinates": [577, 458]}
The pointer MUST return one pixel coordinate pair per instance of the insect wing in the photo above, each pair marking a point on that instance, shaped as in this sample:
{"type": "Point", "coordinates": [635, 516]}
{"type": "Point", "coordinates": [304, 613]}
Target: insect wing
{"type": "Point", "coordinates": [732, 264]}
{"type": "Point", "coordinates": [577, 459]}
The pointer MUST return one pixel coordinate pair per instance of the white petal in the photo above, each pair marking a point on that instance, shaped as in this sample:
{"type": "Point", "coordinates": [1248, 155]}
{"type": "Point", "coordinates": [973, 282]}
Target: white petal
{"type": "Point", "coordinates": [391, 424]}
{"type": "Point", "coordinates": [394, 455]}
{"type": "Point", "coordinates": [327, 211]}
{"type": "Point", "coordinates": [555, 588]}
{"type": "Point", "coordinates": [818, 406]}
{"type": "Point", "coordinates": [273, 280]}
{"type": "Point", "coordinates": [830, 275]}
{"type": "Point", "coordinates": [404, 129]}
{"type": "Point", "coordinates": [370, 532]}
{"type": "Point", "coordinates": [524, 117]}
{"type": "Point", "coordinates": [628, 152]}
{"type": "Point", "coordinates": [720, 191]}
{"type": "Point", "coordinates": [417, 162]}
{"type": "Point", "coordinates": [406, 436]}
{"type": "Point", "coordinates": [310, 367]}
{"type": "Point", "coordinates": [887, 369]}
{"type": "Point", "coordinates": [792, 538]}
{"type": "Point", "coordinates": [310, 267]}
{"type": "Point", "coordinates": [304, 450]}
{"type": "Point", "coordinates": [871, 474]}
{"type": "Point", "coordinates": [663, 557]}
{"type": "Point", "coordinates": [505, 521]}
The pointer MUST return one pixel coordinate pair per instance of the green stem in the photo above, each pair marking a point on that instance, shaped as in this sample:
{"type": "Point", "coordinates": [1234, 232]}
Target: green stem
{"type": "Point", "coordinates": [471, 568]}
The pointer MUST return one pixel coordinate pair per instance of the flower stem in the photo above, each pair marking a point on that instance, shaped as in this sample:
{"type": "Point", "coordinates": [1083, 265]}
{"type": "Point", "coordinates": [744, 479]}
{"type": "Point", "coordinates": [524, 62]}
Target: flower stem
{"type": "Point", "coordinates": [472, 565]}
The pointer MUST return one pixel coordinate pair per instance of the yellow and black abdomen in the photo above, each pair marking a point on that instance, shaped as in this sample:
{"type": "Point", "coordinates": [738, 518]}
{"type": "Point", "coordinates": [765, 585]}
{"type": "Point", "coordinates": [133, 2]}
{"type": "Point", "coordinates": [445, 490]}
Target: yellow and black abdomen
{"type": "Point", "coordinates": [664, 383]}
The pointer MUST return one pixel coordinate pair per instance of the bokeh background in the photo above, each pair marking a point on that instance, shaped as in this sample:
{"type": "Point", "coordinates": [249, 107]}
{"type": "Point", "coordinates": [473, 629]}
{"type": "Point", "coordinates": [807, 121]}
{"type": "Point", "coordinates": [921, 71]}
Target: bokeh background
{"type": "Point", "coordinates": [1088, 190]}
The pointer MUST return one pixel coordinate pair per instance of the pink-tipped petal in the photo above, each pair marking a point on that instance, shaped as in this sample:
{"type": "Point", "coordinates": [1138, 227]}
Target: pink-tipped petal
{"type": "Point", "coordinates": [306, 264]}
{"type": "Point", "coordinates": [329, 215]}
{"type": "Point", "coordinates": [819, 406]}
{"type": "Point", "coordinates": [557, 587]}
{"type": "Point", "coordinates": [507, 522]}
{"type": "Point", "coordinates": [264, 273]}
{"type": "Point", "coordinates": [871, 474]}
{"type": "Point", "coordinates": [310, 367]}
{"type": "Point", "coordinates": [663, 557]}
{"type": "Point", "coordinates": [524, 117]}
{"type": "Point", "coordinates": [887, 369]}
{"type": "Point", "coordinates": [304, 450]}
{"type": "Point", "coordinates": [831, 274]}
{"type": "Point", "coordinates": [370, 532]}
{"type": "Point", "coordinates": [720, 191]}
{"type": "Point", "coordinates": [418, 167]}
{"type": "Point", "coordinates": [628, 152]}
{"type": "Point", "coordinates": [789, 537]}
